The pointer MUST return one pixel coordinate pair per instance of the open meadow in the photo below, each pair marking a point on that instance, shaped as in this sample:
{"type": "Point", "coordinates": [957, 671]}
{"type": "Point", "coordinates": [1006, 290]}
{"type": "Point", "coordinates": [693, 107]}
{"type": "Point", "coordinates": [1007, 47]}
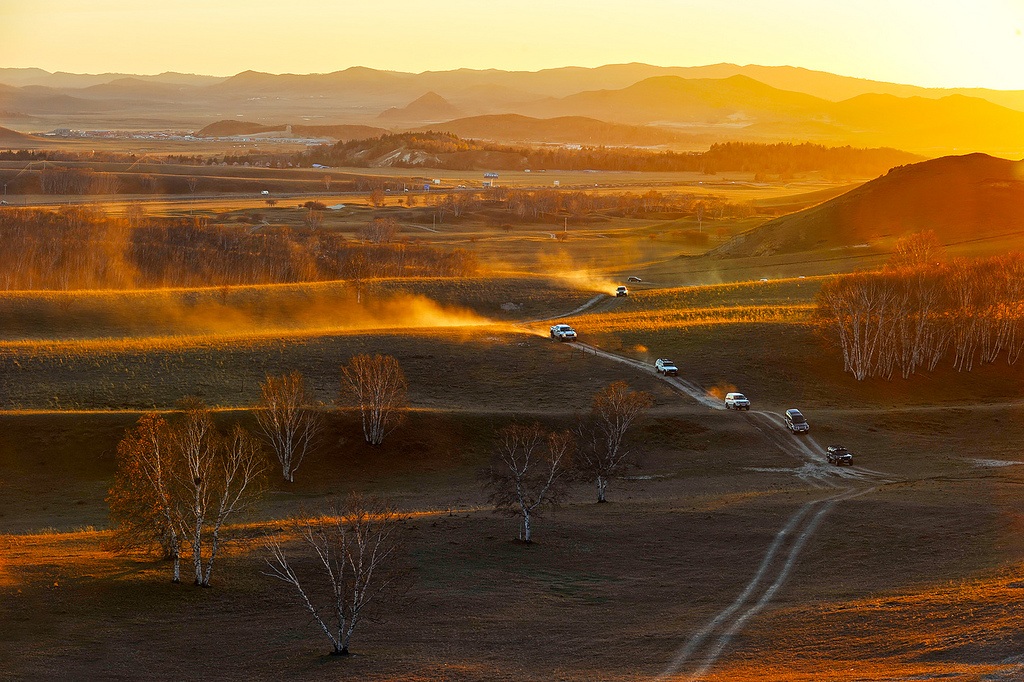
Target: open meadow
{"type": "Point", "coordinates": [732, 550]}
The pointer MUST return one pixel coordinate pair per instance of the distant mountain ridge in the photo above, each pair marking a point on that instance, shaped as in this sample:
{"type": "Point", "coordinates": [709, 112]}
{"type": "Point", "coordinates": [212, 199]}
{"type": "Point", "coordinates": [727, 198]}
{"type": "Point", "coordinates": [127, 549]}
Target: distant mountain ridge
{"type": "Point", "coordinates": [714, 107]}
{"type": "Point", "coordinates": [555, 82]}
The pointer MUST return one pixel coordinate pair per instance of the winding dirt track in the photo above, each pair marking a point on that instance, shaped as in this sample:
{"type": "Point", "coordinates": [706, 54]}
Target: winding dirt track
{"type": "Point", "coordinates": [703, 648]}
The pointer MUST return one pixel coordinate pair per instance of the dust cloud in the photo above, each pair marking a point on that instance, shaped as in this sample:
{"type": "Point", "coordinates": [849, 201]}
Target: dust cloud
{"type": "Point", "coordinates": [228, 312]}
{"type": "Point", "coordinates": [720, 389]}
{"type": "Point", "coordinates": [576, 273]}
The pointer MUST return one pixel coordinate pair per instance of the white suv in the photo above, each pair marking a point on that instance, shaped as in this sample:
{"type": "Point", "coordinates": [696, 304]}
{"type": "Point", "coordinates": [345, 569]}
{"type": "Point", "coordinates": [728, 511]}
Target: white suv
{"type": "Point", "coordinates": [563, 332]}
{"type": "Point", "coordinates": [666, 367]}
{"type": "Point", "coordinates": [736, 401]}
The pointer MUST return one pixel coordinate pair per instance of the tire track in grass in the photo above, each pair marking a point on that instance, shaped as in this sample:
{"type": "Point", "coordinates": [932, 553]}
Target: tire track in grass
{"type": "Point", "coordinates": [698, 638]}
{"type": "Point", "coordinates": [708, 643]}
{"type": "Point", "coordinates": [712, 653]}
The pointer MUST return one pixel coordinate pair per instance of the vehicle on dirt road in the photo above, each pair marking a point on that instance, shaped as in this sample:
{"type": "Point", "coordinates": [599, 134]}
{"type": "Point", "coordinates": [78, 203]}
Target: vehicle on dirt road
{"type": "Point", "coordinates": [633, 278]}
{"type": "Point", "coordinates": [563, 332]}
{"type": "Point", "coordinates": [838, 455]}
{"type": "Point", "coordinates": [622, 291]}
{"type": "Point", "coordinates": [796, 422]}
{"type": "Point", "coordinates": [666, 367]}
{"type": "Point", "coordinates": [736, 401]}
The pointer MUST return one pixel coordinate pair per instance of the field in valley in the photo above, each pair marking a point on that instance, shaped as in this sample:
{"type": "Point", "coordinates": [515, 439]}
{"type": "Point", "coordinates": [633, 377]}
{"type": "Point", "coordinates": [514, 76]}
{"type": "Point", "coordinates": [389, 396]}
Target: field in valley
{"type": "Point", "coordinates": [733, 552]}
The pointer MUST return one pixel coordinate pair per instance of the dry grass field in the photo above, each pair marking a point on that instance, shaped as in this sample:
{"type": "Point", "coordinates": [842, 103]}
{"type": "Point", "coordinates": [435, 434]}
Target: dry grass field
{"type": "Point", "coordinates": [908, 566]}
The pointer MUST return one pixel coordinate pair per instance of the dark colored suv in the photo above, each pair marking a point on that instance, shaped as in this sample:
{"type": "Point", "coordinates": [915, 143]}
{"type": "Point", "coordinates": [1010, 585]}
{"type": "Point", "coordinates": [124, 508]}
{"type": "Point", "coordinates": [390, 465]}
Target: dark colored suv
{"type": "Point", "coordinates": [838, 455]}
{"type": "Point", "coordinates": [796, 422]}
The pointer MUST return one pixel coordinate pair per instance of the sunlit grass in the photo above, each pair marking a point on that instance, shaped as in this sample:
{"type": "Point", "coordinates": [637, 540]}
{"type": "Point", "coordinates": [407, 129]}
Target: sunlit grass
{"type": "Point", "coordinates": [657, 320]}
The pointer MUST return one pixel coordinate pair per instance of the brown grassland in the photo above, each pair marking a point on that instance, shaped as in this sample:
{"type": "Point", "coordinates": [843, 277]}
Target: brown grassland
{"type": "Point", "coordinates": [916, 578]}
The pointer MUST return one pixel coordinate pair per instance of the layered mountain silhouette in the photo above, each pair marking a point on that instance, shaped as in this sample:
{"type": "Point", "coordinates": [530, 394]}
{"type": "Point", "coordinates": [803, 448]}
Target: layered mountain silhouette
{"type": "Point", "coordinates": [710, 103]}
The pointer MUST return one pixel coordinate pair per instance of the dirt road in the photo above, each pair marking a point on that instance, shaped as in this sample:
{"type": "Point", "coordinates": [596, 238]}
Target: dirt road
{"type": "Point", "coordinates": [703, 648]}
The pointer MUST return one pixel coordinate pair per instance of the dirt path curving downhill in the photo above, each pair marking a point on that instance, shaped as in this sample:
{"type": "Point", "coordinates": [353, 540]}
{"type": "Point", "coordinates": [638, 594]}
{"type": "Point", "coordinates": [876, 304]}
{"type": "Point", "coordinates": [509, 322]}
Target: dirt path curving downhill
{"type": "Point", "coordinates": [703, 648]}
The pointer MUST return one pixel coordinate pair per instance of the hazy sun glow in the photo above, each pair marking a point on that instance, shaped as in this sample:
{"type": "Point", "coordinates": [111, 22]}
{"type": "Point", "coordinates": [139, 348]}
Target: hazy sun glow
{"type": "Point", "coordinates": [932, 43]}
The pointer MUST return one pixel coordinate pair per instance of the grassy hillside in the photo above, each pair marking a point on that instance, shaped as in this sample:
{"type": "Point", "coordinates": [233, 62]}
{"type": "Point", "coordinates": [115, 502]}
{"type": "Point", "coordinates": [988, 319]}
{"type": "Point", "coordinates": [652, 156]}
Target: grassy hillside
{"type": "Point", "coordinates": [960, 198]}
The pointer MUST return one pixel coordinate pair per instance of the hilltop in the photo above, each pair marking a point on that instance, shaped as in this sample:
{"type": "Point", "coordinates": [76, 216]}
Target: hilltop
{"type": "Point", "coordinates": [958, 197]}
{"type": "Point", "coordinates": [674, 99]}
{"type": "Point", "coordinates": [428, 108]}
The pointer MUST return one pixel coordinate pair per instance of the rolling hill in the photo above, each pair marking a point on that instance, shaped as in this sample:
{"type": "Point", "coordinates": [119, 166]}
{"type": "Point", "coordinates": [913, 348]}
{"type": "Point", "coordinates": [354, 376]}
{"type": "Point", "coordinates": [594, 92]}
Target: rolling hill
{"type": "Point", "coordinates": [958, 197]}
{"type": "Point", "coordinates": [514, 128]}
{"type": "Point", "coordinates": [672, 99]}
{"type": "Point", "coordinates": [744, 108]}
{"type": "Point", "coordinates": [8, 136]}
{"type": "Point", "coordinates": [428, 108]}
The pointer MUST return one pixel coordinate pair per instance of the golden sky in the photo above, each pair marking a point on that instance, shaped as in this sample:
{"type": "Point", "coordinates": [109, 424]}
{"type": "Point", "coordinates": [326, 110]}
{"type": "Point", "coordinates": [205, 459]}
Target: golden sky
{"type": "Point", "coordinates": [932, 43]}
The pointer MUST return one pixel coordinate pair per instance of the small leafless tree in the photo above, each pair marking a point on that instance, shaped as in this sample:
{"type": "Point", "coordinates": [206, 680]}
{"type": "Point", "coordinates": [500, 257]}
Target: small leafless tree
{"type": "Point", "coordinates": [377, 385]}
{"type": "Point", "coordinates": [602, 434]}
{"type": "Point", "coordinates": [356, 553]}
{"type": "Point", "coordinates": [288, 420]}
{"type": "Point", "coordinates": [314, 218]}
{"type": "Point", "coordinates": [379, 231]}
{"type": "Point", "coordinates": [327, 179]}
{"type": "Point", "coordinates": [531, 470]}
{"type": "Point", "coordinates": [376, 198]}
{"type": "Point", "coordinates": [135, 214]}
{"type": "Point", "coordinates": [917, 250]}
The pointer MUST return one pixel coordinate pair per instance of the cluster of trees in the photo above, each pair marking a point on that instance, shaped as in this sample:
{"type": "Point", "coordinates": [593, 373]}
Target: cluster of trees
{"type": "Point", "coordinates": [534, 205]}
{"type": "Point", "coordinates": [533, 467]}
{"type": "Point", "coordinates": [454, 153]}
{"type": "Point", "coordinates": [177, 483]}
{"type": "Point", "coordinates": [920, 309]}
{"type": "Point", "coordinates": [786, 159]}
{"type": "Point", "coordinates": [79, 248]}
{"type": "Point", "coordinates": [64, 180]}
{"type": "Point", "coordinates": [179, 480]}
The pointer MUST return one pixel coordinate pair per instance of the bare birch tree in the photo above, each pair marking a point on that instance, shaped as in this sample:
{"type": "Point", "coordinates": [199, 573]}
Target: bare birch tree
{"type": "Point", "coordinates": [379, 231]}
{"type": "Point", "coordinates": [143, 506]}
{"type": "Point", "coordinates": [602, 435]}
{"type": "Point", "coordinates": [289, 421]}
{"type": "Point", "coordinates": [909, 314]}
{"type": "Point", "coordinates": [178, 483]}
{"type": "Point", "coordinates": [217, 477]}
{"type": "Point", "coordinates": [355, 555]}
{"type": "Point", "coordinates": [377, 385]}
{"type": "Point", "coordinates": [531, 469]}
